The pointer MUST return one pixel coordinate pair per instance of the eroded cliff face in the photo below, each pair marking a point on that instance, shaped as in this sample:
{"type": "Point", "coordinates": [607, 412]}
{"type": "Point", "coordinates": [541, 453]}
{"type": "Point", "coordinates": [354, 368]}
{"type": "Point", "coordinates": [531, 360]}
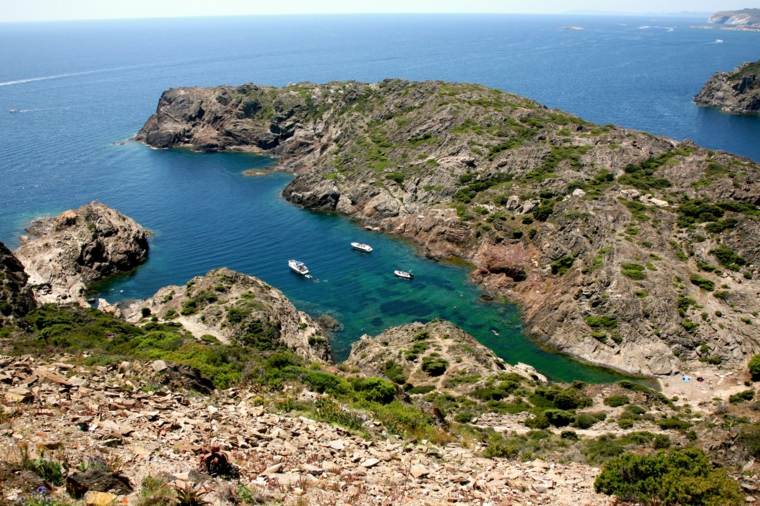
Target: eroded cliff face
{"type": "Point", "coordinates": [65, 254]}
{"type": "Point", "coordinates": [16, 298]}
{"type": "Point", "coordinates": [234, 308]}
{"type": "Point", "coordinates": [623, 248]}
{"type": "Point", "coordinates": [736, 92]}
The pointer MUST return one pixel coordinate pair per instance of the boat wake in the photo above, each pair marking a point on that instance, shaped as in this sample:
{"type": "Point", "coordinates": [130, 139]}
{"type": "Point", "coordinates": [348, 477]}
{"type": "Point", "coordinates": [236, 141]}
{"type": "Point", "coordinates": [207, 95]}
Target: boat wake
{"type": "Point", "coordinates": [70, 74]}
{"type": "Point", "coordinates": [656, 27]}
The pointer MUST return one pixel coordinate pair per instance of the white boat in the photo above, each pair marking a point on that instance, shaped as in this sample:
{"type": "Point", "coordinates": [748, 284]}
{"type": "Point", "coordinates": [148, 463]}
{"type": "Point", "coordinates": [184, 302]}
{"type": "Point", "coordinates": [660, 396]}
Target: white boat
{"type": "Point", "coordinates": [403, 274]}
{"type": "Point", "coordinates": [366, 248]}
{"type": "Point", "coordinates": [299, 268]}
{"type": "Point", "coordinates": [13, 111]}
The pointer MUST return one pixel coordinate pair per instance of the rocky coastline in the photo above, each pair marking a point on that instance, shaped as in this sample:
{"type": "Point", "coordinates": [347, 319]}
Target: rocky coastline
{"type": "Point", "coordinates": [623, 249]}
{"type": "Point", "coordinates": [219, 391]}
{"type": "Point", "coordinates": [735, 92]}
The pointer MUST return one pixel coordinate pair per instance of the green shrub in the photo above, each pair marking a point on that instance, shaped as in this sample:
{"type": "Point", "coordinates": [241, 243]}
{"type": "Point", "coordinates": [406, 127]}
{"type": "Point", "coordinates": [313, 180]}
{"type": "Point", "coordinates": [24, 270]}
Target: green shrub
{"type": "Point", "coordinates": [559, 417]}
{"type": "Point", "coordinates": [567, 398]}
{"type": "Point", "coordinates": [601, 321]}
{"type": "Point", "coordinates": [728, 258]}
{"type": "Point", "coordinates": [323, 382]}
{"type": "Point", "coordinates": [48, 470]}
{"type": "Point", "coordinates": [156, 492]}
{"type": "Point", "coordinates": [538, 421]}
{"type": "Point", "coordinates": [642, 175]}
{"type": "Point", "coordinates": [698, 211]}
{"type": "Point", "coordinates": [562, 265]}
{"type": "Point", "coordinates": [703, 283]}
{"type": "Point", "coordinates": [498, 446]}
{"type": "Point", "coordinates": [616, 400]}
{"type": "Point", "coordinates": [394, 372]}
{"type": "Point", "coordinates": [749, 437]}
{"type": "Point", "coordinates": [375, 389]}
{"type": "Point", "coordinates": [434, 364]}
{"type": "Point", "coordinates": [743, 396]}
{"type": "Point", "coordinates": [673, 423]}
{"type": "Point", "coordinates": [668, 478]}
{"type": "Point", "coordinates": [633, 271]}
{"type": "Point", "coordinates": [588, 420]}
{"type": "Point", "coordinates": [754, 367]}
{"type": "Point", "coordinates": [396, 177]}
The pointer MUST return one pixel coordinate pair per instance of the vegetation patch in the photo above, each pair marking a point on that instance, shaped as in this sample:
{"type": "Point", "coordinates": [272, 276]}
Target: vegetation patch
{"type": "Point", "coordinates": [633, 271]}
{"type": "Point", "coordinates": [668, 477]}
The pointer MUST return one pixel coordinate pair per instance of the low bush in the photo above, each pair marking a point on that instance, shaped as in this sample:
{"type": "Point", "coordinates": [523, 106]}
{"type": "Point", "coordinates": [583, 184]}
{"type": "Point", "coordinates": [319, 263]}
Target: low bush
{"type": "Point", "coordinates": [394, 372]}
{"type": "Point", "coordinates": [668, 478]}
{"type": "Point", "coordinates": [434, 364]}
{"type": "Point", "coordinates": [633, 271]}
{"type": "Point", "coordinates": [749, 437]}
{"type": "Point", "coordinates": [728, 258]}
{"type": "Point", "coordinates": [743, 396]}
{"type": "Point", "coordinates": [616, 400]}
{"type": "Point", "coordinates": [588, 420]}
{"type": "Point", "coordinates": [703, 283]}
{"type": "Point", "coordinates": [559, 417]}
{"type": "Point", "coordinates": [673, 423]}
{"type": "Point", "coordinates": [375, 389]}
{"type": "Point", "coordinates": [754, 367]}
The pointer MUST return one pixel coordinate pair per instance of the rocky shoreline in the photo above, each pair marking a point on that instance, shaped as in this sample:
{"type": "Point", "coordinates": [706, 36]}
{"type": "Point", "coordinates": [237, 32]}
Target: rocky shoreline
{"type": "Point", "coordinates": [623, 249]}
{"type": "Point", "coordinates": [735, 92]}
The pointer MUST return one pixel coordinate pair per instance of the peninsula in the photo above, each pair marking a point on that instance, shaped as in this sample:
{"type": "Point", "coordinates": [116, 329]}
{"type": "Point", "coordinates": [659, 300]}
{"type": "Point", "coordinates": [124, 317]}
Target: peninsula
{"type": "Point", "coordinates": [624, 249]}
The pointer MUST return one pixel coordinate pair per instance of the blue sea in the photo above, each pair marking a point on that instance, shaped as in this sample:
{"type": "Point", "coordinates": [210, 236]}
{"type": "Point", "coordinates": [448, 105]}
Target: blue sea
{"type": "Point", "coordinates": [83, 89]}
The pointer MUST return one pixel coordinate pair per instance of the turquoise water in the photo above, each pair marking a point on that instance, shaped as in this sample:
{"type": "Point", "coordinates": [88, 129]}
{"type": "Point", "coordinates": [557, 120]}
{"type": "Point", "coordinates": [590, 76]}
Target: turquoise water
{"type": "Point", "coordinates": [82, 88]}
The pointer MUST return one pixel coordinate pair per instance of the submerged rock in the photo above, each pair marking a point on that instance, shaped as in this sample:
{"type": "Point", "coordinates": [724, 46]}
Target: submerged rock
{"type": "Point", "coordinates": [227, 307]}
{"type": "Point", "coordinates": [65, 254]}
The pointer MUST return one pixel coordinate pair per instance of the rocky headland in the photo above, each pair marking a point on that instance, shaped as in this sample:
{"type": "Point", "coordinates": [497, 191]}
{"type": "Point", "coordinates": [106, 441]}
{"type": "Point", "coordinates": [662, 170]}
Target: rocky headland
{"type": "Point", "coordinates": [232, 308]}
{"type": "Point", "coordinates": [735, 92]}
{"type": "Point", "coordinates": [623, 248]}
{"type": "Point", "coordinates": [744, 19]}
{"type": "Point", "coordinates": [63, 255]}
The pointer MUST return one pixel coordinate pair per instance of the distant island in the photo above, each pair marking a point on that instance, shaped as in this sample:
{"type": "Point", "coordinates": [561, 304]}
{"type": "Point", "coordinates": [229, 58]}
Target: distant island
{"type": "Point", "coordinates": [744, 19]}
{"type": "Point", "coordinates": [735, 92]}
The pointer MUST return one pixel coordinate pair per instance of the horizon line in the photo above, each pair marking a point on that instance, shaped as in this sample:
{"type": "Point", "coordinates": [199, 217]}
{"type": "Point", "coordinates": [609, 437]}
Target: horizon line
{"type": "Point", "coordinates": [379, 13]}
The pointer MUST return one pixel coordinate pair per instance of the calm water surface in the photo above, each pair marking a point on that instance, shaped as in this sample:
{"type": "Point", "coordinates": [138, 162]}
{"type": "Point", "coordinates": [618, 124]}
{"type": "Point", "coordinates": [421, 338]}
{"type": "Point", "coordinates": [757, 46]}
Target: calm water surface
{"type": "Point", "coordinates": [81, 88]}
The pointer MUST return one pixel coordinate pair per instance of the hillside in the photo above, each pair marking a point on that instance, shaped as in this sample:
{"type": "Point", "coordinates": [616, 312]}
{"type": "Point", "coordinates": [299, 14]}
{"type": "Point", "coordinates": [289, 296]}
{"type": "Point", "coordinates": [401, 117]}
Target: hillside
{"type": "Point", "coordinates": [622, 248]}
{"type": "Point", "coordinates": [735, 92]}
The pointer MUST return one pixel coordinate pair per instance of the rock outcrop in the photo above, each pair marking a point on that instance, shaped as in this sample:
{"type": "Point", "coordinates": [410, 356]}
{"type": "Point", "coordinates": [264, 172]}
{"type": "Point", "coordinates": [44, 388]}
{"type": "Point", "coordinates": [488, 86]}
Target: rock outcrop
{"type": "Point", "coordinates": [65, 254]}
{"type": "Point", "coordinates": [623, 248]}
{"type": "Point", "coordinates": [16, 298]}
{"type": "Point", "coordinates": [437, 354]}
{"type": "Point", "coordinates": [735, 92]}
{"type": "Point", "coordinates": [234, 308]}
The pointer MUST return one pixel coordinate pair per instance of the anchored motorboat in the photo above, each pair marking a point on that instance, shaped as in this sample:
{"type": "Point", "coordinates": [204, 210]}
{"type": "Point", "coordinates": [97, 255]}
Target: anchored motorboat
{"type": "Point", "coordinates": [360, 246]}
{"type": "Point", "coordinates": [403, 274]}
{"type": "Point", "coordinates": [299, 268]}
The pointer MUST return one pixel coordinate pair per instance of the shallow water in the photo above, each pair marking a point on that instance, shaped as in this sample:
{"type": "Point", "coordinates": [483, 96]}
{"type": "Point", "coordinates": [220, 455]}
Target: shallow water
{"type": "Point", "coordinates": [83, 87]}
